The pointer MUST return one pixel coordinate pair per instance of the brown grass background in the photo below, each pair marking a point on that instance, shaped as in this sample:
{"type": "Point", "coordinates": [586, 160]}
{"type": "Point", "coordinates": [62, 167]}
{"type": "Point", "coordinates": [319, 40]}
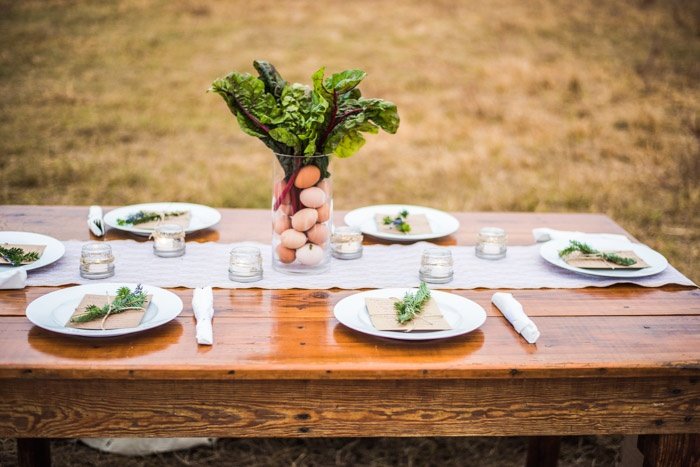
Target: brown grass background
{"type": "Point", "coordinates": [556, 105]}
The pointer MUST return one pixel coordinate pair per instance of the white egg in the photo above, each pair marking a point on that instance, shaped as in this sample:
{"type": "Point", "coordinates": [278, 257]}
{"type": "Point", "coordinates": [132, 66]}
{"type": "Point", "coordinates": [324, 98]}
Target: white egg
{"type": "Point", "coordinates": [313, 197]}
{"type": "Point", "coordinates": [292, 239]}
{"type": "Point", "coordinates": [310, 254]}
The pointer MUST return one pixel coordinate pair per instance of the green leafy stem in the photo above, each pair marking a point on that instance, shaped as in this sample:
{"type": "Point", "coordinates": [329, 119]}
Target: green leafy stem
{"type": "Point", "coordinates": [590, 252]}
{"type": "Point", "coordinates": [141, 217]}
{"type": "Point", "coordinates": [16, 255]}
{"type": "Point", "coordinates": [412, 304]}
{"type": "Point", "coordinates": [125, 300]}
{"type": "Point", "coordinates": [399, 222]}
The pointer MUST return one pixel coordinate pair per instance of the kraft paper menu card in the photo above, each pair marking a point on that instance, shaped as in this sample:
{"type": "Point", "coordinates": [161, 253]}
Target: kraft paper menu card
{"type": "Point", "coordinates": [418, 222]}
{"type": "Point", "coordinates": [580, 260]}
{"type": "Point", "coordinates": [39, 249]}
{"type": "Point", "coordinates": [182, 220]}
{"type": "Point", "coordinates": [124, 319]}
{"type": "Point", "coordinates": [383, 316]}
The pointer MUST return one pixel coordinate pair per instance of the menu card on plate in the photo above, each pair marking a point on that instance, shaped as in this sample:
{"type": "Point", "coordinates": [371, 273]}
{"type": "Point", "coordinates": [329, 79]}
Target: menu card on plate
{"type": "Point", "coordinates": [383, 316]}
{"type": "Point", "coordinates": [580, 260]}
{"type": "Point", "coordinates": [124, 319]}
{"type": "Point", "coordinates": [182, 220]}
{"type": "Point", "coordinates": [418, 222]}
{"type": "Point", "coordinates": [27, 249]}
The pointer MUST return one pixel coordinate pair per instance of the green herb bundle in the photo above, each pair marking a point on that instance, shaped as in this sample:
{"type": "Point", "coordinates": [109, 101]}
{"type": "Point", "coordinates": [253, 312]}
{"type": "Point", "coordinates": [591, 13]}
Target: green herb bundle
{"type": "Point", "coordinates": [412, 304]}
{"type": "Point", "coordinates": [399, 222]}
{"type": "Point", "coordinates": [141, 217]}
{"type": "Point", "coordinates": [125, 300]}
{"type": "Point", "coordinates": [16, 255]}
{"type": "Point", "coordinates": [588, 251]}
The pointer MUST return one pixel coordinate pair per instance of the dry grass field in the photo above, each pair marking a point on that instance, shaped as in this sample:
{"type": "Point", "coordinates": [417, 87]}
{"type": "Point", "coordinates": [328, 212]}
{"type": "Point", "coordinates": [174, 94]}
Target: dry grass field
{"type": "Point", "coordinates": [540, 105]}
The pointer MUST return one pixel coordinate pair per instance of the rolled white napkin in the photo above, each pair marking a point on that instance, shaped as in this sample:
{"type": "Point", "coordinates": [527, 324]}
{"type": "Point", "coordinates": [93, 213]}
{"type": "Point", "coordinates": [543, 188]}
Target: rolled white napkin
{"type": "Point", "coordinates": [544, 234]}
{"type": "Point", "coordinates": [13, 279]}
{"type": "Point", "coordinates": [95, 222]}
{"type": "Point", "coordinates": [513, 311]}
{"type": "Point", "coordinates": [203, 307]}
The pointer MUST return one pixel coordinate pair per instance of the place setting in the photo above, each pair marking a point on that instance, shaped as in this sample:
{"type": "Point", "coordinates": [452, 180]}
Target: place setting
{"type": "Point", "coordinates": [402, 222]}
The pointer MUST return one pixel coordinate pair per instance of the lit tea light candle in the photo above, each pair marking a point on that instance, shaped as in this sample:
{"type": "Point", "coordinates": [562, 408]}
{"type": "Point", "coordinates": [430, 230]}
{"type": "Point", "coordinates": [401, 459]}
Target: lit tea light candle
{"type": "Point", "coordinates": [436, 266]}
{"type": "Point", "coordinates": [491, 243]}
{"type": "Point", "coordinates": [245, 264]}
{"type": "Point", "coordinates": [346, 243]}
{"type": "Point", "coordinates": [96, 261]}
{"type": "Point", "coordinates": [169, 241]}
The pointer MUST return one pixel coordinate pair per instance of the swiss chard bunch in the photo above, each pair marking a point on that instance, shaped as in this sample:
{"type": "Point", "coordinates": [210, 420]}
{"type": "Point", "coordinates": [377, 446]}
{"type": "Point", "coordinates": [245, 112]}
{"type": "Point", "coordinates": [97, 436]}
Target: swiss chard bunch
{"type": "Point", "coordinates": [329, 117]}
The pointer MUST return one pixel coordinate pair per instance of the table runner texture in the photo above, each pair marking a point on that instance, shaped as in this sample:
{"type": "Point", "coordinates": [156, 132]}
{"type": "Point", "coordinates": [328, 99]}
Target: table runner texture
{"type": "Point", "coordinates": [206, 264]}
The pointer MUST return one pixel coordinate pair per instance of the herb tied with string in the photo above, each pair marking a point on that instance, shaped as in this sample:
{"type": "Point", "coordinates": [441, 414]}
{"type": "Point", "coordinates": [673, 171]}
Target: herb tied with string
{"type": "Point", "coordinates": [412, 304]}
{"type": "Point", "coordinates": [399, 222]}
{"type": "Point", "coordinates": [125, 300]}
{"type": "Point", "coordinates": [141, 217]}
{"type": "Point", "coordinates": [17, 256]}
{"type": "Point", "coordinates": [589, 252]}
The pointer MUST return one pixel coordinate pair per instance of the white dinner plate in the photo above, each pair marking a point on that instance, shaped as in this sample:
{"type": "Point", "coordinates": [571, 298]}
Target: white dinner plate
{"type": "Point", "coordinates": [441, 223]}
{"type": "Point", "coordinates": [656, 261]}
{"type": "Point", "coordinates": [203, 217]}
{"type": "Point", "coordinates": [53, 252]}
{"type": "Point", "coordinates": [53, 310]}
{"type": "Point", "coordinates": [461, 313]}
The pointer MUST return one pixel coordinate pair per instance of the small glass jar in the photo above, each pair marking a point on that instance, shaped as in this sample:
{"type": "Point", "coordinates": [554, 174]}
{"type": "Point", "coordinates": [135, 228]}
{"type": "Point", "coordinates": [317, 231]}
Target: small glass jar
{"type": "Point", "coordinates": [245, 264]}
{"type": "Point", "coordinates": [346, 243]}
{"type": "Point", "coordinates": [491, 243]}
{"type": "Point", "coordinates": [436, 266]}
{"type": "Point", "coordinates": [96, 261]}
{"type": "Point", "coordinates": [169, 241]}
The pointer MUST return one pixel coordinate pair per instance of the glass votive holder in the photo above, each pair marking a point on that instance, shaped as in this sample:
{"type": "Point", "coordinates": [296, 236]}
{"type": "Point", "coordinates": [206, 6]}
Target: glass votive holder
{"type": "Point", "coordinates": [96, 261]}
{"type": "Point", "coordinates": [436, 266]}
{"type": "Point", "coordinates": [491, 243]}
{"type": "Point", "coordinates": [169, 241]}
{"type": "Point", "coordinates": [245, 264]}
{"type": "Point", "coordinates": [346, 243]}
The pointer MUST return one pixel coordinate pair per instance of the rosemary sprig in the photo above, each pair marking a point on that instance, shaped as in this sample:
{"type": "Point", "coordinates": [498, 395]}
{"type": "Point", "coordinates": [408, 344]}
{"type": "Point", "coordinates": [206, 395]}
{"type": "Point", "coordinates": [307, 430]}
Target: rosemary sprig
{"type": "Point", "coordinates": [125, 300]}
{"type": "Point", "coordinates": [16, 255]}
{"type": "Point", "coordinates": [399, 222]}
{"type": "Point", "coordinates": [412, 304]}
{"type": "Point", "coordinates": [142, 217]}
{"type": "Point", "coordinates": [587, 250]}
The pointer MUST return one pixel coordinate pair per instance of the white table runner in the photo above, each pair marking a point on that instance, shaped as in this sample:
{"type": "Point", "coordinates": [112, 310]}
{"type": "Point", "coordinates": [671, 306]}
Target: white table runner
{"type": "Point", "coordinates": [206, 264]}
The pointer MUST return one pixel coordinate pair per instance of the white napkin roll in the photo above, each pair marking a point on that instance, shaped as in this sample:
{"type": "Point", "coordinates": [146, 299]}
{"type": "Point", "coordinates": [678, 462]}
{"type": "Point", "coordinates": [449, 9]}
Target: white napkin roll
{"type": "Point", "coordinates": [544, 234]}
{"type": "Point", "coordinates": [513, 311]}
{"type": "Point", "coordinates": [95, 222]}
{"type": "Point", "coordinates": [13, 279]}
{"type": "Point", "coordinates": [203, 307]}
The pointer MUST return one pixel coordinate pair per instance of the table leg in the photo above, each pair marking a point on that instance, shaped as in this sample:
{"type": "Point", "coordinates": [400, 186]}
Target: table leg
{"type": "Point", "coordinates": [543, 451]}
{"type": "Point", "coordinates": [33, 452]}
{"type": "Point", "coordinates": [670, 450]}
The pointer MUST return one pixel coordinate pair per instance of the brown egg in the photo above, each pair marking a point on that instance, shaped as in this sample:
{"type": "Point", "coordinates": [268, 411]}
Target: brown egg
{"type": "Point", "coordinates": [324, 213]}
{"type": "Point", "coordinates": [307, 176]}
{"type": "Point", "coordinates": [304, 219]}
{"type": "Point", "coordinates": [277, 191]}
{"type": "Point", "coordinates": [281, 223]}
{"type": "Point", "coordinates": [285, 255]}
{"type": "Point", "coordinates": [292, 239]}
{"type": "Point", "coordinates": [325, 185]}
{"type": "Point", "coordinates": [313, 197]}
{"type": "Point", "coordinates": [285, 209]}
{"type": "Point", "coordinates": [318, 234]}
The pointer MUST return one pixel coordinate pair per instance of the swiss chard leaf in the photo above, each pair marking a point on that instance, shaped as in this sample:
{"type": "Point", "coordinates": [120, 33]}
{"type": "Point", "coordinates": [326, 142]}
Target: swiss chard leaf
{"type": "Point", "coordinates": [274, 84]}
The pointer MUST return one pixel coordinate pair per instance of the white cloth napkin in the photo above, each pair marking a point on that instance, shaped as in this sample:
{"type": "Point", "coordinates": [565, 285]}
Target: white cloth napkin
{"type": "Point", "coordinates": [203, 307]}
{"type": "Point", "coordinates": [544, 234]}
{"type": "Point", "coordinates": [13, 279]}
{"type": "Point", "coordinates": [95, 222]}
{"type": "Point", "coordinates": [513, 311]}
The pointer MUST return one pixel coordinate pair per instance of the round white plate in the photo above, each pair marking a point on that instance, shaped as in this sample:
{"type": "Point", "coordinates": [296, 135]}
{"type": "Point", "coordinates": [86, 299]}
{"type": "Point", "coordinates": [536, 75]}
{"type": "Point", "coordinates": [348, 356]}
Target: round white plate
{"type": "Point", "coordinates": [655, 260]}
{"type": "Point", "coordinates": [53, 252]}
{"type": "Point", "coordinates": [202, 217]}
{"type": "Point", "coordinates": [53, 310]}
{"type": "Point", "coordinates": [461, 313]}
{"type": "Point", "coordinates": [441, 223]}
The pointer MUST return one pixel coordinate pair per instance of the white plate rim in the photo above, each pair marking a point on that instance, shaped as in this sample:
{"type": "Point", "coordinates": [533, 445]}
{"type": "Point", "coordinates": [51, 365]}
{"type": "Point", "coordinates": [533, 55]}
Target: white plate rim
{"type": "Point", "coordinates": [360, 218]}
{"type": "Point", "coordinates": [657, 262]}
{"type": "Point", "coordinates": [55, 249]}
{"type": "Point", "coordinates": [111, 217]}
{"type": "Point", "coordinates": [348, 310]}
{"type": "Point", "coordinates": [169, 306]}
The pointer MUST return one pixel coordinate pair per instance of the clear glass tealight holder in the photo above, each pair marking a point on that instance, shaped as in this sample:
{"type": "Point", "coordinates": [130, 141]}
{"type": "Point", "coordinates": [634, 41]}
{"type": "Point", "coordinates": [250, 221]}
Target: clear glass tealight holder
{"type": "Point", "coordinates": [436, 266]}
{"type": "Point", "coordinates": [245, 264]}
{"type": "Point", "coordinates": [346, 243]}
{"type": "Point", "coordinates": [169, 241]}
{"type": "Point", "coordinates": [491, 243]}
{"type": "Point", "coordinates": [96, 261]}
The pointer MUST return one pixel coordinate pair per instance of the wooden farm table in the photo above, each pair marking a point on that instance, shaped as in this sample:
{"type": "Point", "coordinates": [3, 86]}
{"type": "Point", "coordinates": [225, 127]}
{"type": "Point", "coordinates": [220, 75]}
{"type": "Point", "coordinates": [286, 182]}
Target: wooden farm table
{"type": "Point", "coordinates": [617, 360]}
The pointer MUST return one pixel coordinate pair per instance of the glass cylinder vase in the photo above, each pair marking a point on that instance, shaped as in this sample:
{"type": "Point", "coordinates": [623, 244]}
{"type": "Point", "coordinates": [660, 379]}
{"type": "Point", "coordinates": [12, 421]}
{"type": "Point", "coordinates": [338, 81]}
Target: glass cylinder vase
{"type": "Point", "coordinates": [302, 214]}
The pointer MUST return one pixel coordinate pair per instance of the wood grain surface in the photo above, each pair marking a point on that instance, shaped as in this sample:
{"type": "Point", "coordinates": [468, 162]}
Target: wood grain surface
{"type": "Point", "coordinates": [621, 359]}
